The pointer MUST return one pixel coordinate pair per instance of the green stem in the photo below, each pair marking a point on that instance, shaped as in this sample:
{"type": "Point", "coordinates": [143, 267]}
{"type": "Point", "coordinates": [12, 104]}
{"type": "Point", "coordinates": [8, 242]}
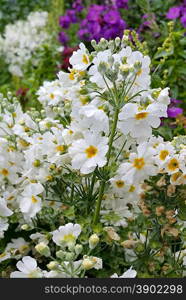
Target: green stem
{"type": "Point", "coordinates": [103, 182]}
{"type": "Point", "coordinates": [98, 204]}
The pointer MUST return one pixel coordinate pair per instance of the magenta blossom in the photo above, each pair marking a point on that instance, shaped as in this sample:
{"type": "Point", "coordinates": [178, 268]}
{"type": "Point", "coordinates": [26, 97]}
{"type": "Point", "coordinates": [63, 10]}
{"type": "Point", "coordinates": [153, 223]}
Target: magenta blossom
{"type": "Point", "coordinates": [173, 112]}
{"type": "Point", "coordinates": [173, 13]}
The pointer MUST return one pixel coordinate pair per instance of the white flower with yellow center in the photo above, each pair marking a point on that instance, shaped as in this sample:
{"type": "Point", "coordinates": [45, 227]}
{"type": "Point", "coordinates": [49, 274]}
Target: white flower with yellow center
{"type": "Point", "coordinates": [140, 166]}
{"type": "Point", "coordinates": [138, 121]}
{"type": "Point", "coordinates": [88, 153]}
{"type": "Point", "coordinates": [30, 200]}
{"type": "Point", "coordinates": [164, 152]}
{"type": "Point", "coordinates": [173, 164]}
{"type": "Point", "coordinates": [66, 235]}
{"type": "Point", "coordinates": [178, 178]}
{"type": "Point", "coordinates": [18, 245]}
{"type": "Point", "coordinates": [27, 269]}
{"type": "Point", "coordinates": [4, 256]}
{"type": "Point", "coordinates": [118, 184]}
{"type": "Point", "coordinates": [50, 93]}
{"type": "Point", "coordinates": [80, 59]}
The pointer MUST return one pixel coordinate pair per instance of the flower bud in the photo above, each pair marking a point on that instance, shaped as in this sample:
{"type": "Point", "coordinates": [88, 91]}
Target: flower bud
{"type": "Point", "coordinates": [61, 254]}
{"type": "Point", "coordinates": [117, 41]}
{"type": "Point", "coordinates": [25, 227]}
{"type": "Point", "coordinates": [43, 249]}
{"type": "Point", "coordinates": [88, 264]}
{"type": "Point", "coordinates": [93, 241]}
{"type": "Point", "coordinates": [129, 244]}
{"type": "Point", "coordinates": [36, 163]}
{"type": "Point", "coordinates": [78, 249]}
{"type": "Point", "coordinates": [52, 265]}
{"type": "Point", "coordinates": [69, 256]}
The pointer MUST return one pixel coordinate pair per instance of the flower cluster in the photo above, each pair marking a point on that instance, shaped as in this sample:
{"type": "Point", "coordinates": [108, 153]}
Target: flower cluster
{"type": "Point", "coordinates": [176, 12]}
{"type": "Point", "coordinates": [90, 156]}
{"type": "Point", "coordinates": [21, 39]}
{"type": "Point", "coordinates": [100, 21]}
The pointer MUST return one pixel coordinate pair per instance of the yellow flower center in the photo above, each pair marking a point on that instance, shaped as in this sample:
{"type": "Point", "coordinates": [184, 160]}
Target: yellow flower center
{"type": "Point", "coordinates": [139, 163]}
{"type": "Point", "coordinates": [68, 237]}
{"type": "Point", "coordinates": [52, 96]}
{"type": "Point", "coordinates": [173, 164]}
{"type": "Point", "coordinates": [91, 151]}
{"type": "Point", "coordinates": [72, 75]}
{"type": "Point", "coordinates": [141, 116]}
{"type": "Point", "coordinates": [34, 200]}
{"type": "Point", "coordinates": [14, 114]}
{"type": "Point", "coordinates": [163, 154]}
{"type": "Point", "coordinates": [5, 172]}
{"type": "Point", "coordinates": [10, 198]}
{"type": "Point", "coordinates": [70, 131]}
{"type": "Point", "coordinates": [120, 183]}
{"type": "Point", "coordinates": [139, 72]}
{"type": "Point", "coordinates": [49, 178]}
{"type": "Point", "coordinates": [26, 129]}
{"type": "Point", "coordinates": [23, 143]}
{"type": "Point", "coordinates": [23, 248]}
{"type": "Point", "coordinates": [85, 59]}
{"type": "Point", "coordinates": [83, 100]}
{"type": "Point", "coordinates": [60, 148]}
{"type": "Point", "coordinates": [2, 255]}
{"type": "Point", "coordinates": [11, 149]}
{"type": "Point", "coordinates": [175, 176]}
{"type": "Point", "coordinates": [132, 189]}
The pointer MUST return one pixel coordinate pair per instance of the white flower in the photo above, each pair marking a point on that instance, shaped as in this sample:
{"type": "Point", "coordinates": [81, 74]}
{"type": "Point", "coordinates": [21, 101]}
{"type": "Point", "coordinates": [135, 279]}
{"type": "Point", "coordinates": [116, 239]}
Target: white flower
{"type": "Point", "coordinates": [89, 153]}
{"type": "Point", "coordinates": [50, 93]}
{"type": "Point", "coordinates": [4, 256]}
{"type": "Point", "coordinates": [4, 210]}
{"type": "Point", "coordinates": [130, 273]}
{"type": "Point", "coordinates": [80, 58]}
{"type": "Point", "coordinates": [164, 152]}
{"type": "Point", "coordinates": [140, 166]}
{"type": "Point", "coordinates": [163, 96]}
{"type": "Point", "coordinates": [22, 38]}
{"type": "Point", "coordinates": [18, 244]}
{"type": "Point", "coordinates": [94, 119]}
{"type": "Point", "coordinates": [138, 121]}
{"type": "Point", "coordinates": [67, 234]}
{"type": "Point", "coordinates": [30, 202]}
{"type": "Point", "coordinates": [95, 75]}
{"type": "Point", "coordinates": [27, 269]}
{"type": "Point", "coordinates": [173, 164]}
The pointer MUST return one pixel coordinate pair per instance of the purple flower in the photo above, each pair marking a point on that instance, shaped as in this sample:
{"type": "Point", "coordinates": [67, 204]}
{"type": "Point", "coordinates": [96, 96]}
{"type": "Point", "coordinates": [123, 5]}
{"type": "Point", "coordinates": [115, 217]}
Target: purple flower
{"type": "Point", "coordinates": [175, 101]}
{"type": "Point", "coordinates": [122, 4]}
{"type": "Point", "coordinates": [173, 111]}
{"type": "Point", "coordinates": [71, 14]}
{"type": "Point", "coordinates": [173, 13]}
{"type": "Point", "coordinates": [63, 38]}
{"type": "Point", "coordinates": [183, 20]}
{"type": "Point", "coordinates": [101, 21]}
{"type": "Point", "coordinates": [112, 17]}
{"type": "Point", "coordinates": [65, 22]}
{"type": "Point", "coordinates": [77, 6]}
{"type": "Point", "coordinates": [94, 12]}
